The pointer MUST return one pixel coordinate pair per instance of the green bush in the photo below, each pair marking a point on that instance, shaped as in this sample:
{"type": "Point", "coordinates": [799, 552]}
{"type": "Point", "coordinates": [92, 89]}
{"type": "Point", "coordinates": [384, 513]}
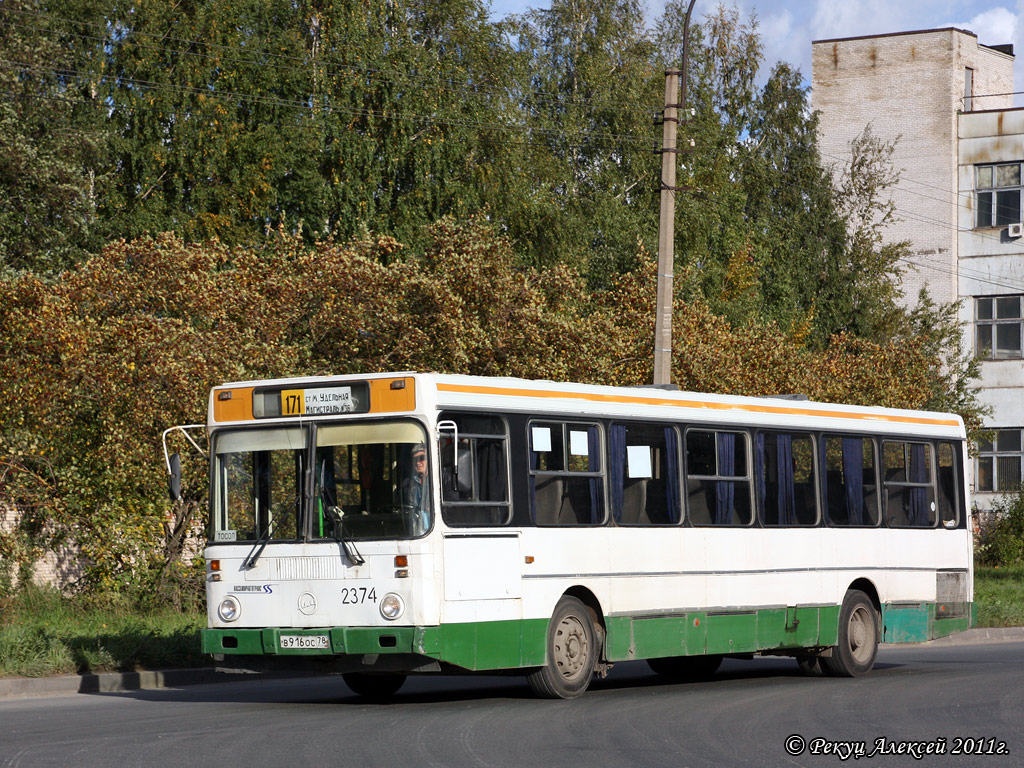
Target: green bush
{"type": "Point", "coordinates": [1001, 543]}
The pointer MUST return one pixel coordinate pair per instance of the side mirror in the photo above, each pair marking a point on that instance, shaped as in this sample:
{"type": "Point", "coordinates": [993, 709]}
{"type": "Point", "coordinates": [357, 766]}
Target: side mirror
{"type": "Point", "coordinates": [174, 478]}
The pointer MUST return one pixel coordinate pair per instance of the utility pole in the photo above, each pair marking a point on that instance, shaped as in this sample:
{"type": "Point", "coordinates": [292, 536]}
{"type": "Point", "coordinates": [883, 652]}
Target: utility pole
{"type": "Point", "coordinates": [666, 232]}
{"type": "Point", "coordinates": [667, 218]}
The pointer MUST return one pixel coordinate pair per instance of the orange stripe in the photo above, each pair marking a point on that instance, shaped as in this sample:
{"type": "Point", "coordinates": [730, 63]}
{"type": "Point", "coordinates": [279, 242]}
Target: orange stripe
{"type": "Point", "coordinates": [774, 409]}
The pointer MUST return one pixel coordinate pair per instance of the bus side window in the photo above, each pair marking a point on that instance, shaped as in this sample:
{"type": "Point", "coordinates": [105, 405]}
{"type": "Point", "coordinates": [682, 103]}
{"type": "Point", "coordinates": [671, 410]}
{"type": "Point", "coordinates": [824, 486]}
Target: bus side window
{"type": "Point", "coordinates": [949, 479]}
{"type": "Point", "coordinates": [909, 491]}
{"type": "Point", "coordinates": [786, 492]}
{"type": "Point", "coordinates": [849, 485]}
{"type": "Point", "coordinates": [643, 468]}
{"type": "Point", "coordinates": [717, 478]}
{"type": "Point", "coordinates": [566, 473]}
{"type": "Point", "coordinates": [474, 479]}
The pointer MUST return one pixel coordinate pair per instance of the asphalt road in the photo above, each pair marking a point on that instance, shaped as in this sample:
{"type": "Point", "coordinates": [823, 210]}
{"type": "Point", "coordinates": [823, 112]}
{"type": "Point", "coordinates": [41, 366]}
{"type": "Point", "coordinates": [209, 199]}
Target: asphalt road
{"type": "Point", "coordinates": [931, 701]}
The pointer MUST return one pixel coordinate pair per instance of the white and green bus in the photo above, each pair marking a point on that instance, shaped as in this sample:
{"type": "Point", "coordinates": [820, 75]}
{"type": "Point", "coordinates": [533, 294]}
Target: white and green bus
{"type": "Point", "coordinates": [409, 523]}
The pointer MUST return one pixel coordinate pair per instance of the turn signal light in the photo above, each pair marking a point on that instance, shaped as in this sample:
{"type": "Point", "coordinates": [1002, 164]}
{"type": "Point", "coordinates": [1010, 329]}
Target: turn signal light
{"type": "Point", "coordinates": [401, 561]}
{"type": "Point", "coordinates": [215, 565]}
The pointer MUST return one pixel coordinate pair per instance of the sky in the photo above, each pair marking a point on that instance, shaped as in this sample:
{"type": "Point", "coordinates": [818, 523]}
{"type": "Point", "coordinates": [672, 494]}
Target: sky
{"type": "Point", "coordinates": [788, 26]}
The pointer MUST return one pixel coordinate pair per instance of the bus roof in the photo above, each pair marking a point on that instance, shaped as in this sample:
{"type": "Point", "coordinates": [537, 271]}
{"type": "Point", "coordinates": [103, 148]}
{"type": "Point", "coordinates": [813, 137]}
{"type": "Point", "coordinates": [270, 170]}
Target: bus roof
{"type": "Point", "coordinates": [435, 391]}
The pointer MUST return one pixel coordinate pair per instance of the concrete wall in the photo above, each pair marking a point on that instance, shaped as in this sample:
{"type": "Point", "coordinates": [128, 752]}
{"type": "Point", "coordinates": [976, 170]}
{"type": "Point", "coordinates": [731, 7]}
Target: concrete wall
{"type": "Point", "coordinates": [59, 569]}
{"type": "Point", "coordinates": [909, 87]}
{"type": "Point", "coordinates": [991, 262]}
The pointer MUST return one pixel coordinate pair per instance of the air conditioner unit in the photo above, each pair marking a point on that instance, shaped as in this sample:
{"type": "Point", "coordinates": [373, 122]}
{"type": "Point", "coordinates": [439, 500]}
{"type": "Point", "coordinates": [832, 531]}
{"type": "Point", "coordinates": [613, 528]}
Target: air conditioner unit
{"type": "Point", "coordinates": [1015, 230]}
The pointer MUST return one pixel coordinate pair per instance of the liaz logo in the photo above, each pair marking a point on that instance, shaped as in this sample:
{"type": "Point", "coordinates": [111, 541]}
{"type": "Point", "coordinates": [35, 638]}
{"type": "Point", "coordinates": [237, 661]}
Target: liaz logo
{"type": "Point", "coordinates": [263, 589]}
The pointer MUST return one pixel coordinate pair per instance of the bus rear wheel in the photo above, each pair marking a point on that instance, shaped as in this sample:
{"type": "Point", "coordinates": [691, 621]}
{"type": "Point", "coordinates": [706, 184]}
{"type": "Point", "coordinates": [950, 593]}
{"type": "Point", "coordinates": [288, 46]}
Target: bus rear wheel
{"type": "Point", "coordinates": [686, 668]}
{"type": "Point", "coordinates": [571, 653]}
{"type": "Point", "coordinates": [373, 687]}
{"type": "Point", "coordinates": [858, 637]}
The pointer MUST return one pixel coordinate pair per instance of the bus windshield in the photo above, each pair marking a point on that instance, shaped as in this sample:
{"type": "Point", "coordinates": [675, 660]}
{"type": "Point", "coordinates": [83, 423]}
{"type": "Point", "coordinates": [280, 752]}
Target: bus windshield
{"type": "Point", "coordinates": [371, 481]}
{"type": "Point", "coordinates": [374, 477]}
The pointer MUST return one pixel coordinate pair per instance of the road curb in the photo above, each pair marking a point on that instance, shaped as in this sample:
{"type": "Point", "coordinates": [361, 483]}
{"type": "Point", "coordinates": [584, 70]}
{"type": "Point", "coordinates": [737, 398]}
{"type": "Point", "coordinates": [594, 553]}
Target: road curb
{"type": "Point", "coordinates": [981, 636]}
{"type": "Point", "coordinates": [113, 682]}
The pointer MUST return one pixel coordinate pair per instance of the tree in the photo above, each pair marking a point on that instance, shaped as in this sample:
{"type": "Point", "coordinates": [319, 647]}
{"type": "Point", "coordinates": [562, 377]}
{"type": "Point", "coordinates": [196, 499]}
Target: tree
{"type": "Point", "coordinates": [587, 88]}
{"type": "Point", "coordinates": [52, 172]}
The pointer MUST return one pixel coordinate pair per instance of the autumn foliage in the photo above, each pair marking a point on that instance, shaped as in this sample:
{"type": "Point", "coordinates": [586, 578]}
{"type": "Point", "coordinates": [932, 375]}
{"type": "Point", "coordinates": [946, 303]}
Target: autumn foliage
{"type": "Point", "coordinates": [99, 361]}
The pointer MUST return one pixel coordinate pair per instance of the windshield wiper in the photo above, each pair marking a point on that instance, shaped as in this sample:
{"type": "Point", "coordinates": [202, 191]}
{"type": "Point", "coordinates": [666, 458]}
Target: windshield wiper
{"type": "Point", "coordinates": [261, 543]}
{"type": "Point", "coordinates": [335, 514]}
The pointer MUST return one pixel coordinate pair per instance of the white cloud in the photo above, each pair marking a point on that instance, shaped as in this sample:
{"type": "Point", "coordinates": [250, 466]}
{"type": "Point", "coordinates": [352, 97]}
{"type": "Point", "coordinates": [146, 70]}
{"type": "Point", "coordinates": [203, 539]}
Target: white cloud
{"type": "Point", "coordinates": [993, 27]}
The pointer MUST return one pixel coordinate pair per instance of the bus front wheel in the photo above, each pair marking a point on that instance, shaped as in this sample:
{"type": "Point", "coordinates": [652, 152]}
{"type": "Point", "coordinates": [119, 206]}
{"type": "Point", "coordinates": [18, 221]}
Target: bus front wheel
{"type": "Point", "coordinates": [571, 653]}
{"type": "Point", "coordinates": [379, 687]}
{"type": "Point", "coordinates": [858, 637]}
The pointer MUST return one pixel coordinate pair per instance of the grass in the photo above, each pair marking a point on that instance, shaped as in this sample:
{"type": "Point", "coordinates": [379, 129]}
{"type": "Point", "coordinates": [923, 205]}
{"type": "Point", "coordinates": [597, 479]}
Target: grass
{"type": "Point", "coordinates": [999, 594]}
{"type": "Point", "coordinates": [43, 633]}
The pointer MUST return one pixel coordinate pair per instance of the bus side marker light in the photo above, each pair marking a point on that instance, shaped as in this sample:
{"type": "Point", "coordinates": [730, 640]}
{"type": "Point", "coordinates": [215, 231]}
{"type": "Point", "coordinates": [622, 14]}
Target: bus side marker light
{"type": "Point", "coordinates": [402, 573]}
{"type": "Point", "coordinates": [401, 561]}
{"type": "Point", "coordinates": [215, 577]}
{"type": "Point", "coordinates": [398, 384]}
{"type": "Point", "coordinates": [528, 559]}
{"type": "Point", "coordinates": [696, 622]}
{"type": "Point", "coordinates": [225, 395]}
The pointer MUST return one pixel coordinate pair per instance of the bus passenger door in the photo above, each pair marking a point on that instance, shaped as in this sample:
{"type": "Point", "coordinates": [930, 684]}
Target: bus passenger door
{"type": "Point", "coordinates": [482, 610]}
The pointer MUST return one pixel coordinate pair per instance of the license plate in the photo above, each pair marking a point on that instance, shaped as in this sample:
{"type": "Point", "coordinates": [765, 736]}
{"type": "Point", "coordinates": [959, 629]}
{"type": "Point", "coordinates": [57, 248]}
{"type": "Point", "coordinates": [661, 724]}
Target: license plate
{"type": "Point", "coordinates": [289, 642]}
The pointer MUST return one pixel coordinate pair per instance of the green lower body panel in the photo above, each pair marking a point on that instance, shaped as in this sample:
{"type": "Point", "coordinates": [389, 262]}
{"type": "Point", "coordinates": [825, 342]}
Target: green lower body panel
{"type": "Point", "coordinates": [522, 643]}
{"type": "Point", "coordinates": [720, 632]}
{"type": "Point", "coordinates": [918, 622]}
{"type": "Point", "coordinates": [350, 640]}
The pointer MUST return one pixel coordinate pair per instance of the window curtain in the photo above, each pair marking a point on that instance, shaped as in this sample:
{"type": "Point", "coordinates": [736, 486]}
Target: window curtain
{"type": "Point", "coordinates": [725, 490]}
{"type": "Point", "coordinates": [761, 473]}
{"type": "Point", "coordinates": [784, 474]}
{"type": "Point", "coordinates": [853, 477]}
{"type": "Point", "coordinates": [918, 496]}
{"type": "Point", "coordinates": [594, 465]}
{"type": "Point", "coordinates": [672, 475]}
{"type": "Point", "coordinates": [617, 467]}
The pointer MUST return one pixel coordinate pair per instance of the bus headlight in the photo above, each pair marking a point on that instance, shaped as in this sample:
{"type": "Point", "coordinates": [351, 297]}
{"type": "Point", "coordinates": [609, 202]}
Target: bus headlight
{"type": "Point", "coordinates": [391, 606]}
{"type": "Point", "coordinates": [229, 609]}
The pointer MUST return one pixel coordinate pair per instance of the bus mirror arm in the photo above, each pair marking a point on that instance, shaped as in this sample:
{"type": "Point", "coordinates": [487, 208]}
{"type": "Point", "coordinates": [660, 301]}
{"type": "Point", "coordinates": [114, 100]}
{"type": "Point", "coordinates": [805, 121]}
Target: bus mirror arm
{"type": "Point", "coordinates": [173, 461]}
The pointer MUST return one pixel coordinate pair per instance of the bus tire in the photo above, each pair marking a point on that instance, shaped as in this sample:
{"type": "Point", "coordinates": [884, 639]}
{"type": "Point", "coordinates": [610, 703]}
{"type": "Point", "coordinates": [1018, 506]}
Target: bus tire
{"type": "Point", "coordinates": [858, 637]}
{"type": "Point", "coordinates": [373, 687]}
{"type": "Point", "coordinates": [686, 668]}
{"type": "Point", "coordinates": [571, 653]}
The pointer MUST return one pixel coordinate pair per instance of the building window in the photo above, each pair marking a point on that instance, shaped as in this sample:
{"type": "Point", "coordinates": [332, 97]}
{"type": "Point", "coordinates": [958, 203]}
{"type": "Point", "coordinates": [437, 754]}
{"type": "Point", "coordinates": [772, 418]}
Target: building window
{"type": "Point", "coordinates": [999, 461]}
{"type": "Point", "coordinates": [968, 89]}
{"type": "Point", "coordinates": [998, 194]}
{"type": "Point", "coordinates": [998, 323]}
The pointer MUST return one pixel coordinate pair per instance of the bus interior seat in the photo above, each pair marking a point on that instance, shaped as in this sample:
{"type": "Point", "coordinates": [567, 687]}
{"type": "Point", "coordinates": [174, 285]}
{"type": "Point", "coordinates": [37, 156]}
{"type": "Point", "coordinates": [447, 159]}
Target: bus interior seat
{"type": "Point", "coordinates": [701, 498]}
{"type": "Point", "coordinates": [634, 503]}
{"type": "Point", "coordinates": [548, 500]}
